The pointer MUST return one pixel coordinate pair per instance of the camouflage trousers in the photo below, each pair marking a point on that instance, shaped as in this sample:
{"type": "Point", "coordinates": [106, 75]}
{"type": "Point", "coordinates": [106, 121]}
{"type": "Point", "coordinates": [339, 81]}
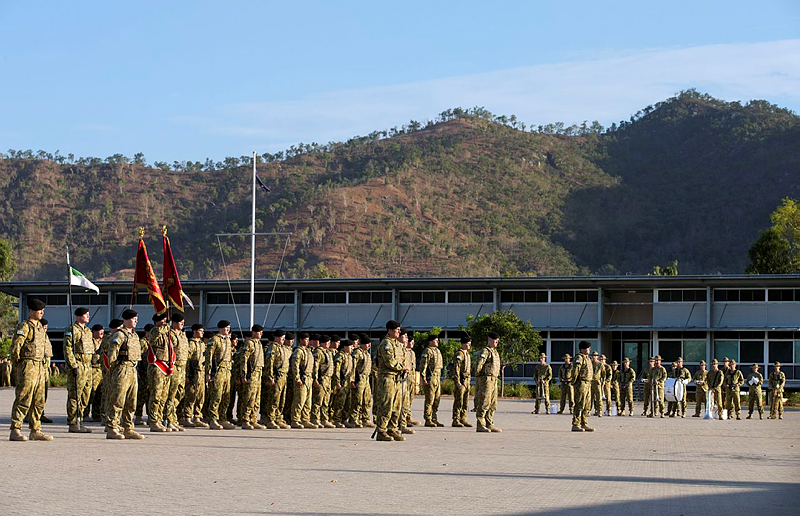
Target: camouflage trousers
{"type": "Point", "coordinates": [716, 395]}
{"type": "Point", "coordinates": [388, 398]}
{"type": "Point", "coordinates": [301, 400]}
{"type": "Point", "coordinates": [360, 401]}
{"type": "Point", "coordinates": [95, 404]}
{"type": "Point", "coordinates": [123, 385]}
{"type": "Point", "coordinates": [615, 393]}
{"type": "Point", "coordinates": [78, 390]}
{"type": "Point", "coordinates": [597, 397]}
{"type": "Point", "coordinates": [251, 397]}
{"type": "Point", "coordinates": [485, 400]}
{"type": "Point", "coordinates": [567, 396]}
{"type": "Point", "coordinates": [754, 400]}
{"type": "Point", "coordinates": [176, 391]}
{"type": "Point", "coordinates": [274, 399]}
{"type": "Point", "coordinates": [142, 395]}
{"type": "Point", "coordinates": [607, 394]}
{"type": "Point", "coordinates": [29, 394]}
{"type": "Point", "coordinates": [700, 399]}
{"type": "Point", "coordinates": [776, 403]}
{"type": "Point", "coordinates": [433, 394]}
{"type": "Point", "coordinates": [626, 398]}
{"type": "Point", "coordinates": [195, 395]}
{"type": "Point", "coordinates": [412, 387]}
{"type": "Point", "coordinates": [646, 398]}
{"type": "Point", "coordinates": [105, 404]}
{"type": "Point", "coordinates": [219, 393]}
{"type": "Point", "coordinates": [733, 402]}
{"type": "Point", "coordinates": [460, 402]}
{"type": "Point", "coordinates": [583, 403]}
{"type": "Point", "coordinates": [321, 399]}
{"type": "Point", "coordinates": [543, 397]}
{"type": "Point", "coordinates": [158, 385]}
{"type": "Point", "coordinates": [340, 407]}
{"type": "Point", "coordinates": [657, 403]}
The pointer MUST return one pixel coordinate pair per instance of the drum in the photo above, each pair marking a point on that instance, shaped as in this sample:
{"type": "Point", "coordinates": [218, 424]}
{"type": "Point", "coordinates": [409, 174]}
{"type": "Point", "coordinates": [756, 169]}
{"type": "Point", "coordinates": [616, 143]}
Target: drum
{"type": "Point", "coordinates": [674, 389]}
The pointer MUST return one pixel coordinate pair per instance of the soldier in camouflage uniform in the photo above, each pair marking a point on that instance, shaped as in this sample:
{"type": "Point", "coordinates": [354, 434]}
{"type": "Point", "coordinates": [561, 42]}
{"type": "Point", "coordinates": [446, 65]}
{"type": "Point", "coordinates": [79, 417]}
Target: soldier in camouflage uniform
{"type": "Point", "coordinates": [323, 362]}
{"type": "Point", "coordinates": [361, 396]}
{"type": "Point", "coordinates": [27, 352]}
{"type": "Point", "coordinates": [236, 384]}
{"type": "Point", "coordinates": [195, 379]}
{"type": "Point", "coordinates": [487, 370]}
{"type": "Point", "coordinates": [301, 367]}
{"type": "Point", "coordinates": [124, 351]}
{"type": "Point", "coordinates": [462, 370]}
{"type": "Point", "coordinates": [754, 382]}
{"type": "Point", "coordinates": [159, 356]}
{"type": "Point", "coordinates": [143, 392]}
{"type": "Point", "coordinates": [724, 369]}
{"type": "Point", "coordinates": [412, 382]}
{"type": "Point", "coordinates": [342, 382]}
{"type": "Point", "coordinates": [392, 372]}
{"type": "Point", "coordinates": [672, 406]}
{"type": "Point", "coordinates": [218, 374]}
{"type": "Point", "coordinates": [114, 325]}
{"type": "Point", "coordinates": [177, 380]}
{"type": "Point", "coordinates": [658, 376]}
{"type": "Point", "coordinates": [616, 376]}
{"type": "Point", "coordinates": [430, 369]}
{"type": "Point", "coordinates": [714, 382]}
{"type": "Point", "coordinates": [252, 364]}
{"type": "Point", "coordinates": [96, 394]}
{"type": "Point", "coordinates": [327, 406]}
{"type": "Point", "coordinates": [734, 380]}
{"type": "Point", "coordinates": [543, 374]}
{"type": "Point", "coordinates": [276, 372]}
{"type": "Point", "coordinates": [777, 382]}
{"type": "Point", "coordinates": [607, 377]}
{"type": "Point", "coordinates": [598, 371]}
{"type": "Point", "coordinates": [648, 394]}
{"type": "Point", "coordinates": [567, 394]}
{"type": "Point", "coordinates": [626, 382]}
{"type": "Point", "coordinates": [685, 376]}
{"type": "Point", "coordinates": [701, 391]}
{"type": "Point", "coordinates": [78, 351]}
{"type": "Point", "coordinates": [582, 376]}
{"type": "Point", "coordinates": [48, 356]}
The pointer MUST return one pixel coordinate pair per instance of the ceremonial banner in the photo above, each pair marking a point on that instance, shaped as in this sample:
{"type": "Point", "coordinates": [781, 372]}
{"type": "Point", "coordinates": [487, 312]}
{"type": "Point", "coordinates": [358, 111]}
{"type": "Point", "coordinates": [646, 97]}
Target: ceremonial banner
{"type": "Point", "coordinates": [145, 278]}
{"type": "Point", "coordinates": [172, 283]}
{"type": "Point", "coordinates": [77, 278]}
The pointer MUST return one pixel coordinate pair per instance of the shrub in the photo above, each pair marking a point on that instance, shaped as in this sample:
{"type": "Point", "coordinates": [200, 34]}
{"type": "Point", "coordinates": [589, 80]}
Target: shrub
{"type": "Point", "coordinates": [518, 390]}
{"type": "Point", "coordinates": [58, 380]}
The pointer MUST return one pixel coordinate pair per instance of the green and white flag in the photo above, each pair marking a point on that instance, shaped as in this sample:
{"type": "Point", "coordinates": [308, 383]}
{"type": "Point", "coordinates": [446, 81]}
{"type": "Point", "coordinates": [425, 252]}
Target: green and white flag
{"type": "Point", "coordinates": [77, 278]}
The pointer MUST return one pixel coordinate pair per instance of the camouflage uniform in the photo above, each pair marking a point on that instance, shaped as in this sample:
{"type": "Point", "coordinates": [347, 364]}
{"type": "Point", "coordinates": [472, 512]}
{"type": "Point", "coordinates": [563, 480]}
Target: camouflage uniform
{"type": "Point", "coordinates": [430, 369]}
{"type": "Point", "coordinates": [218, 364]}
{"type": "Point", "coordinates": [96, 394]}
{"type": "Point", "coordinates": [252, 364]}
{"type": "Point", "coordinates": [343, 376]}
{"type": "Point", "coordinates": [582, 379]}
{"type": "Point", "coordinates": [598, 371]}
{"type": "Point", "coordinates": [487, 369]}
{"type": "Point", "coordinates": [390, 362]}
{"type": "Point", "coordinates": [177, 380]}
{"type": "Point", "coordinates": [157, 381]}
{"type": "Point", "coordinates": [658, 375]}
{"type": "Point", "coordinates": [616, 377]}
{"type": "Point", "coordinates": [714, 381]}
{"type": "Point", "coordinates": [777, 381]}
{"type": "Point", "coordinates": [626, 382]}
{"type": "Point", "coordinates": [105, 366]}
{"type": "Point", "coordinates": [412, 386]}
{"type": "Point", "coordinates": [78, 351]}
{"type": "Point", "coordinates": [195, 380]}
{"type": "Point", "coordinates": [301, 366]}
{"type": "Point", "coordinates": [124, 352]}
{"type": "Point", "coordinates": [361, 396]}
{"type": "Point", "coordinates": [320, 405]}
{"type": "Point", "coordinates": [543, 374]}
{"type": "Point", "coordinates": [734, 380]}
{"type": "Point", "coordinates": [275, 372]}
{"type": "Point", "coordinates": [28, 354]}
{"type": "Point", "coordinates": [701, 392]}
{"type": "Point", "coordinates": [754, 382]}
{"type": "Point", "coordinates": [608, 377]}
{"type": "Point", "coordinates": [462, 367]}
{"type": "Point", "coordinates": [685, 376]}
{"type": "Point", "coordinates": [143, 390]}
{"type": "Point", "coordinates": [567, 394]}
{"type": "Point", "coordinates": [648, 395]}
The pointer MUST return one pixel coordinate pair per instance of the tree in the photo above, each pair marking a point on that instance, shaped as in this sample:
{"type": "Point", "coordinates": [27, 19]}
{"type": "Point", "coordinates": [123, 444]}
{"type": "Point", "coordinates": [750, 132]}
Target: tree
{"type": "Point", "coordinates": [8, 315]}
{"type": "Point", "coordinates": [786, 222]}
{"type": "Point", "coordinates": [519, 342]}
{"type": "Point", "coordinates": [770, 255]}
{"type": "Point", "coordinates": [669, 270]}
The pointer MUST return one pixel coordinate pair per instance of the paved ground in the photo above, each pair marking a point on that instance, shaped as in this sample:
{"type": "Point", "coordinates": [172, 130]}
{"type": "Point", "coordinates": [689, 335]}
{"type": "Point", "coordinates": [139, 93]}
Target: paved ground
{"type": "Point", "coordinates": [630, 465]}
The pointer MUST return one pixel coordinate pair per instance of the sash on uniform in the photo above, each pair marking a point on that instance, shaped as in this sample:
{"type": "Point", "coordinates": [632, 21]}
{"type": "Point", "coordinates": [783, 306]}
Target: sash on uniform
{"type": "Point", "coordinates": [106, 364]}
{"type": "Point", "coordinates": [165, 367]}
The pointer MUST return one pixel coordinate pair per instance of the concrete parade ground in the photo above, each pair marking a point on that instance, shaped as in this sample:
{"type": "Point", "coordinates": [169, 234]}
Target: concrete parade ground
{"type": "Point", "coordinates": [630, 465]}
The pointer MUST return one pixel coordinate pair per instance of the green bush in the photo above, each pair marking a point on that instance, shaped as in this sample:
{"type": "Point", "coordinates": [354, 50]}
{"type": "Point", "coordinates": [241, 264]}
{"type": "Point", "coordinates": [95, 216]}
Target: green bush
{"type": "Point", "coordinates": [517, 390]}
{"type": "Point", "coordinates": [793, 398]}
{"type": "Point", "coordinates": [448, 386]}
{"type": "Point", "coordinates": [58, 380]}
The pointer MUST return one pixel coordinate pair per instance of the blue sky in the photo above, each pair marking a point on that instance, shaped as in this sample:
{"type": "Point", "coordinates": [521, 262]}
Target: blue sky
{"type": "Point", "coordinates": [190, 80]}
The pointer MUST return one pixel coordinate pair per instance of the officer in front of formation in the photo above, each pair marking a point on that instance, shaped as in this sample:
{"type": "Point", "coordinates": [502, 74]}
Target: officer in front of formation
{"type": "Point", "coordinates": [567, 393]}
{"type": "Point", "coordinates": [582, 375]}
{"type": "Point", "coordinates": [487, 370]}
{"type": "Point", "coordinates": [462, 367]}
{"type": "Point", "coordinates": [754, 382]}
{"type": "Point", "coordinates": [78, 352]}
{"type": "Point", "coordinates": [124, 353]}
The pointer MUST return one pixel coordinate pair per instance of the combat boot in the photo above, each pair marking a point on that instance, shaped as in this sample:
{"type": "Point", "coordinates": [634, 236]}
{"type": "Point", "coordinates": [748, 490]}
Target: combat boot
{"type": "Point", "coordinates": [368, 424]}
{"type": "Point", "coordinates": [466, 424]}
{"type": "Point", "coordinates": [339, 425]}
{"type": "Point", "coordinates": [158, 427]}
{"type": "Point", "coordinates": [130, 433]}
{"type": "Point", "coordinates": [457, 424]}
{"type": "Point", "coordinates": [247, 426]}
{"type": "Point", "coordinates": [214, 425]}
{"type": "Point", "coordinates": [383, 436]}
{"type": "Point", "coordinates": [749, 416]}
{"type": "Point", "coordinates": [272, 426]}
{"type": "Point", "coordinates": [185, 422]}
{"type": "Point", "coordinates": [297, 425]}
{"type": "Point", "coordinates": [309, 425]}
{"type": "Point", "coordinates": [138, 421]}
{"type": "Point", "coordinates": [430, 424]}
{"type": "Point", "coordinates": [284, 425]}
{"type": "Point", "coordinates": [227, 425]}
{"type": "Point", "coordinates": [411, 422]}
{"type": "Point", "coordinates": [328, 424]}
{"type": "Point", "coordinates": [45, 419]}
{"type": "Point", "coordinates": [760, 416]}
{"type": "Point", "coordinates": [438, 424]}
{"type": "Point", "coordinates": [406, 430]}
{"type": "Point", "coordinates": [576, 428]}
{"type": "Point", "coordinates": [495, 429]}
{"type": "Point", "coordinates": [199, 423]}
{"type": "Point", "coordinates": [482, 428]}
{"type": "Point", "coordinates": [79, 429]}
{"type": "Point", "coordinates": [114, 434]}
{"type": "Point", "coordinates": [38, 435]}
{"type": "Point", "coordinates": [587, 428]}
{"type": "Point", "coordinates": [348, 424]}
{"type": "Point", "coordinates": [397, 436]}
{"type": "Point", "coordinates": [258, 426]}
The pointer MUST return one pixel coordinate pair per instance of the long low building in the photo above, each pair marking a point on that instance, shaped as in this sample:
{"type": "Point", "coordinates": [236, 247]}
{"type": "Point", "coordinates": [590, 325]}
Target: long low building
{"type": "Point", "coordinates": [752, 319]}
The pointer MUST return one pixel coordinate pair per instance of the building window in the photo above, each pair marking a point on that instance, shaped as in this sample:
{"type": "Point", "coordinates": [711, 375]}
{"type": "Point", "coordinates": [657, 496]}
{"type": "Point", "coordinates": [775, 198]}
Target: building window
{"type": "Point", "coordinates": [423, 297]}
{"type": "Point", "coordinates": [573, 296]}
{"type": "Point", "coordinates": [125, 299]}
{"type": "Point", "coordinates": [369, 297]}
{"type": "Point", "coordinates": [784, 294]}
{"type": "Point", "coordinates": [558, 348]}
{"type": "Point", "coordinates": [669, 350]}
{"type": "Point", "coordinates": [726, 348]}
{"type": "Point", "coordinates": [466, 296]}
{"type": "Point", "coordinates": [781, 351]}
{"type": "Point", "coordinates": [243, 298]}
{"type": "Point", "coordinates": [524, 296]}
{"type": "Point", "coordinates": [89, 299]}
{"type": "Point", "coordinates": [748, 295]}
{"type": "Point", "coordinates": [694, 350]}
{"type": "Point", "coordinates": [318, 298]}
{"type": "Point", "coordinates": [677, 296]}
{"type": "Point", "coordinates": [751, 351]}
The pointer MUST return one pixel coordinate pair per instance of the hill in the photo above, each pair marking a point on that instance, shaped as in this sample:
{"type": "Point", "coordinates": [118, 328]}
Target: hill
{"type": "Point", "coordinates": [692, 178]}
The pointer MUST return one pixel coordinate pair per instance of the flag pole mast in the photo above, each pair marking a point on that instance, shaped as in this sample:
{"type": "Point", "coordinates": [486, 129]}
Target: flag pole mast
{"type": "Point", "coordinates": [253, 250]}
{"type": "Point", "coordinates": [69, 280]}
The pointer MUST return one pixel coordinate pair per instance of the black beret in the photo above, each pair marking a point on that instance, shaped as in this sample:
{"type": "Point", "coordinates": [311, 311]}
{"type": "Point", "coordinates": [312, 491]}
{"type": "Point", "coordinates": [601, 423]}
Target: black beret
{"type": "Point", "coordinates": [148, 327]}
{"type": "Point", "coordinates": [223, 324]}
{"type": "Point", "coordinates": [584, 345]}
{"type": "Point", "coordinates": [302, 335]}
{"type": "Point", "coordinates": [466, 339]}
{"type": "Point", "coordinates": [335, 338]}
{"type": "Point", "coordinates": [129, 313]}
{"type": "Point", "coordinates": [324, 338]}
{"type": "Point", "coordinates": [290, 336]}
{"type": "Point", "coordinates": [81, 311]}
{"type": "Point", "coordinates": [97, 327]}
{"type": "Point", "coordinates": [278, 333]}
{"type": "Point", "coordinates": [355, 336]}
{"type": "Point", "coordinates": [176, 317]}
{"type": "Point", "coordinates": [365, 338]}
{"type": "Point", "coordinates": [43, 321]}
{"type": "Point", "coordinates": [345, 342]}
{"type": "Point", "coordinates": [493, 335]}
{"type": "Point", "coordinates": [257, 327]}
{"type": "Point", "coordinates": [115, 323]}
{"type": "Point", "coordinates": [432, 337]}
{"type": "Point", "coordinates": [35, 304]}
{"type": "Point", "coordinates": [315, 336]}
{"type": "Point", "coordinates": [159, 317]}
{"type": "Point", "coordinates": [392, 324]}
{"type": "Point", "coordinates": [197, 326]}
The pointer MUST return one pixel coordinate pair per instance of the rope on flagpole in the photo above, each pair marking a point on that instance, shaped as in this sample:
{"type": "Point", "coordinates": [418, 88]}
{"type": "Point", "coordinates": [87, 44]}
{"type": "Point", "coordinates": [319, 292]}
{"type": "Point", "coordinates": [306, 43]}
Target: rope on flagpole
{"type": "Point", "coordinates": [230, 288]}
{"type": "Point", "coordinates": [275, 284]}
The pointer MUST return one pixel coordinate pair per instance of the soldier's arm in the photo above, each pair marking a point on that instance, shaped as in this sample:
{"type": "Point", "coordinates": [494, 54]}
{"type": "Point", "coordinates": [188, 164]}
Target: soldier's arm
{"type": "Point", "coordinates": [549, 373]}
{"type": "Point", "coordinates": [114, 345]}
{"type": "Point", "coordinates": [69, 352]}
{"type": "Point", "coordinates": [23, 334]}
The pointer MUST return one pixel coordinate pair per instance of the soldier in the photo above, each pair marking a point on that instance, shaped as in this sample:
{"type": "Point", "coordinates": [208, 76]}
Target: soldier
{"type": "Point", "coordinates": [124, 351]}
{"type": "Point", "coordinates": [96, 393]}
{"type": "Point", "coordinates": [392, 371]}
{"type": "Point", "coordinates": [777, 381]}
{"type": "Point", "coordinates": [616, 376]}
{"type": "Point", "coordinates": [143, 391]}
{"type": "Point", "coordinates": [597, 384]}
{"type": "Point", "coordinates": [406, 386]}
{"type": "Point", "coordinates": [607, 377]}
{"type": "Point", "coordinates": [327, 403]}
{"type": "Point", "coordinates": [462, 367]}
{"type": "Point", "coordinates": [581, 378]}
{"type": "Point", "coordinates": [159, 356]}
{"type": "Point", "coordinates": [725, 368]}
{"type": "Point", "coordinates": [252, 363]}
{"type": "Point", "coordinates": [195, 379]}
{"type": "Point", "coordinates": [430, 370]}
{"type": "Point", "coordinates": [627, 379]}
{"type": "Point", "coordinates": [27, 352]}
{"type": "Point", "coordinates": [487, 370]}
{"type": "Point", "coordinates": [78, 351]}
{"type": "Point", "coordinates": [234, 399]}
{"type": "Point", "coordinates": [289, 344]}
{"type": "Point", "coordinates": [672, 406]}
{"type": "Point", "coordinates": [648, 395]}
{"type": "Point", "coordinates": [412, 382]}
{"type": "Point", "coordinates": [734, 380]}
{"type": "Point", "coordinates": [323, 365]}
{"type": "Point", "coordinates": [361, 396]}
{"type": "Point", "coordinates": [684, 376]}
{"type": "Point", "coordinates": [5, 373]}
{"type": "Point", "coordinates": [177, 380]}
{"type": "Point", "coordinates": [754, 382]}
{"type": "Point", "coordinates": [218, 375]}
{"type": "Point", "coordinates": [343, 381]}
{"type": "Point", "coordinates": [543, 374]}
{"type": "Point", "coordinates": [301, 365]}
{"type": "Point", "coordinates": [567, 394]}
{"type": "Point", "coordinates": [106, 369]}
{"type": "Point", "coordinates": [714, 381]}
{"type": "Point", "coordinates": [701, 392]}
{"type": "Point", "coordinates": [276, 369]}
{"type": "Point", "coordinates": [48, 356]}
{"type": "Point", "coordinates": [658, 376]}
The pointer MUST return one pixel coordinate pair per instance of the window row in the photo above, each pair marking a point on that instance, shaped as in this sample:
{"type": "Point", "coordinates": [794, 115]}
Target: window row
{"type": "Point", "coordinates": [548, 296]}
{"type": "Point", "coordinates": [678, 296]}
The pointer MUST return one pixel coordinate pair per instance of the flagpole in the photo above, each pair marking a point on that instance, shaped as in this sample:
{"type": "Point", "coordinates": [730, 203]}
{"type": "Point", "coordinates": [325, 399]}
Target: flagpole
{"type": "Point", "coordinates": [69, 281]}
{"type": "Point", "coordinates": [253, 250]}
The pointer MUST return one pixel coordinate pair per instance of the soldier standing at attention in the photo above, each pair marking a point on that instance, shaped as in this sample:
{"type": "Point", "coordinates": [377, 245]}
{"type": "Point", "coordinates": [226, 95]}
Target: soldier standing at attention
{"type": "Point", "coordinates": [714, 381]}
{"type": "Point", "coordinates": [430, 369]}
{"type": "Point", "coordinates": [326, 410]}
{"type": "Point", "coordinates": [607, 377]}
{"type": "Point", "coordinates": [124, 351]}
{"type": "Point", "coordinates": [658, 376]}
{"type": "Point", "coordinates": [616, 376]}
{"type": "Point", "coordinates": [487, 369]}
{"type": "Point", "coordinates": [567, 394]}
{"type": "Point", "coordinates": [301, 365]}
{"type": "Point", "coordinates": [323, 365]}
{"type": "Point", "coordinates": [113, 326]}
{"type": "Point", "coordinates": [275, 372]}
{"type": "Point", "coordinates": [48, 356]}
{"type": "Point", "coordinates": [462, 368]}
{"type": "Point", "coordinates": [27, 354]}
{"type": "Point", "coordinates": [405, 387]}
{"type": "Point", "coordinates": [143, 393]}
{"type": "Point", "coordinates": [391, 365]}
{"type": "Point", "coordinates": [777, 381]}
{"type": "Point", "coordinates": [342, 381]}
{"type": "Point", "coordinates": [597, 384]}
{"type": "Point", "coordinates": [754, 382]}
{"type": "Point", "coordinates": [412, 382]}
{"type": "Point", "coordinates": [701, 392]}
{"type": "Point", "coordinates": [685, 376]}
{"type": "Point", "coordinates": [648, 395]}
{"type": "Point", "coordinates": [218, 376]}
{"type": "Point", "coordinates": [582, 375]}
{"type": "Point", "coordinates": [177, 380]}
{"type": "Point", "coordinates": [368, 414]}
{"type": "Point", "coordinates": [157, 380]}
{"type": "Point", "coordinates": [251, 368]}
{"type": "Point", "coordinates": [627, 378]}
{"type": "Point", "coordinates": [96, 394]}
{"type": "Point", "coordinates": [78, 351]}
{"type": "Point", "coordinates": [195, 379]}
{"type": "Point", "coordinates": [672, 406]}
{"type": "Point", "coordinates": [361, 396]}
{"type": "Point", "coordinates": [543, 374]}
{"type": "Point", "coordinates": [734, 380]}
{"type": "Point", "coordinates": [724, 369]}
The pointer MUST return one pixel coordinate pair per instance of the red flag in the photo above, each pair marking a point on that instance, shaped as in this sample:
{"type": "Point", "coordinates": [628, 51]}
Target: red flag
{"type": "Point", "coordinates": [172, 283]}
{"type": "Point", "coordinates": [145, 278]}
